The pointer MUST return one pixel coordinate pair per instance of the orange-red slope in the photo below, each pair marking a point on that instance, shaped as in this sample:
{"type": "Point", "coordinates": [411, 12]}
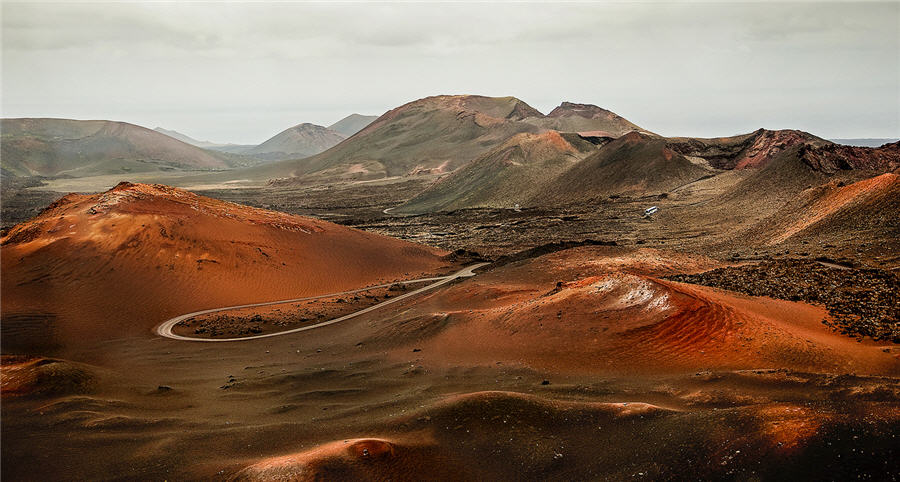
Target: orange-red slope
{"type": "Point", "coordinates": [618, 317]}
{"type": "Point", "coordinates": [835, 207]}
{"type": "Point", "coordinates": [119, 262]}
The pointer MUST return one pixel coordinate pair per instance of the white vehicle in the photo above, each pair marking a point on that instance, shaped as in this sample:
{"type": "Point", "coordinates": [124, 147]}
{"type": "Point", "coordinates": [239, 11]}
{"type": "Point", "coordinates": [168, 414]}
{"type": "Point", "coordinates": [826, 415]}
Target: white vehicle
{"type": "Point", "coordinates": [650, 210]}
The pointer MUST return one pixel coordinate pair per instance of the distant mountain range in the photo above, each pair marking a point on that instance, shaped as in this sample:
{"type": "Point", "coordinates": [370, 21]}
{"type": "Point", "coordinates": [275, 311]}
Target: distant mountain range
{"type": "Point", "coordinates": [299, 141]}
{"type": "Point", "coordinates": [865, 142]}
{"type": "Point", "coordinates": [189, 140]}
{"type": "Point", "coordinates": [487, 152]}
{"type": "Point", "coordinates": [76, 148]}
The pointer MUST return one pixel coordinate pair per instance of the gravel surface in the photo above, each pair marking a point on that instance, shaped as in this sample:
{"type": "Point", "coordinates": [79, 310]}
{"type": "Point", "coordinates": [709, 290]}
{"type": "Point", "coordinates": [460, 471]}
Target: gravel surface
{"type": "Point", "coordinates": [862, 302]}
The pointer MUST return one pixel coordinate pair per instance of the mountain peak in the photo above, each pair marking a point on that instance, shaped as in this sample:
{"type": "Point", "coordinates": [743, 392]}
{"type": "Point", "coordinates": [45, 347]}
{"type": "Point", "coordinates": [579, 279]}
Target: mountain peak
{"type": "Point", "coordinates": [586, 118]}
{"type": "Point", "coordinates": [299, 141]}
{"type": "Point", "coordinates": [588, 111]}
{"type": "Point", "coordinates": [508, 107]}
{"type": "Point", "coordinates": [307, 126]}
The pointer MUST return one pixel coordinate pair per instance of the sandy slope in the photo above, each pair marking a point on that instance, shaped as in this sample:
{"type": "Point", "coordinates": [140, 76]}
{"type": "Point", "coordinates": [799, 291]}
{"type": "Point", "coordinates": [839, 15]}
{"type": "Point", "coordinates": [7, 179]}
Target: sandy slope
{"type": "Point", "coordinates": [465, 384]}
{"type": "Point", "coordinates": [610, 316]}
{"type": "Point", "coordinates": [626, 320]}
{"type": "Point", "coordinates": [119, 262]}
{"type": "Point", "coordinates": [828, 203]}
{"type": "Point", "coordinates": [500, 435]}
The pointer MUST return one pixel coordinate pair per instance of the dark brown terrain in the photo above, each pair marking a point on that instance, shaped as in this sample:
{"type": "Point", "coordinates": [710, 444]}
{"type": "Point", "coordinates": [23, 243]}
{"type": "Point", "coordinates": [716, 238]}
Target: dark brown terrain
{"type": "Point", "coordinates": [861, 302]}
{"type": "Point", "coordinates": [283, 316]}
{"type": "Point", "coordinates": [747, 330]}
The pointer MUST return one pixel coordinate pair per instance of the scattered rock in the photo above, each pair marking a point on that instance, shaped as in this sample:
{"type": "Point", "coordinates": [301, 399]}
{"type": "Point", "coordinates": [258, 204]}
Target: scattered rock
{"type": "Point", "coordinates": [861, 302]}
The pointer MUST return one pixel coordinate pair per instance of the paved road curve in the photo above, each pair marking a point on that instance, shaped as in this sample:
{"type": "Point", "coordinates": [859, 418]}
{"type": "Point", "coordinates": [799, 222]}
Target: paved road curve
{"type": "Point", "coordinates": [165, 328]}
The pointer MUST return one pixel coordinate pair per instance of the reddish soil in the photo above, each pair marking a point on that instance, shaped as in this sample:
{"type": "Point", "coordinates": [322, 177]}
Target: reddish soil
{"type": "Point", "coordinates": [767, 145]}
{"type": "Point", "coordinates": [546, 438]}
{"type": "Point", "coordinates": [577, 364]}
{"type": "Point", "coordinates": [861, 302]}
{"type": "Point", "coordinates": [628, 320]}
{"type": "Point", "coordinates": [831, 198]}
{"type": "Point", "coordinates": [28, 376]}
{"type": "Point", "coordinates": [118, 263]}
{"type": "Point", "coordinates": [595, 134]}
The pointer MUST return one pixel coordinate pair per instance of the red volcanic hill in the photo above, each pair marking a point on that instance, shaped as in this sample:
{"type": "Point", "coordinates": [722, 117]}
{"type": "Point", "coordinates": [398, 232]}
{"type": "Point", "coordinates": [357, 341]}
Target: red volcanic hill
{"type": "Point", "coordinates": [833, 157]}
{"type": "Point", "coordinates": [825, 194]}
{"type": "Point", "coordinates": [753, 150]}
{"type": "Point", "coordinates": [608, 310]}
{"type": "Point", "coordinates": [117, 263]}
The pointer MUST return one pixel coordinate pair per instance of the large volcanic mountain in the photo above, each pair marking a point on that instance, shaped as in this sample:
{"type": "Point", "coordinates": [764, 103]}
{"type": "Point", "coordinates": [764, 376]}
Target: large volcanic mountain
{"type": "Point", "coordinates": [548, 169]}
{"type": "Point", "coordinates": [54, 147]}
{"type": "Point", "coordinates": [118, 262]}
{"type": "Point", "coordinates": [512, 173]}
{"type": "Point", "coordinates": [440, 134]}
{"type": "Point", "coordinates": [436, 133]}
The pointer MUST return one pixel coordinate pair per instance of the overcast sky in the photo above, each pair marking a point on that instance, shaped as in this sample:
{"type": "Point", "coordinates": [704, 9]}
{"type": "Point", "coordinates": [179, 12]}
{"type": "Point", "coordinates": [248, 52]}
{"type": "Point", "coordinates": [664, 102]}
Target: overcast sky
{"type": "Point", "coordinates": [241, 72]}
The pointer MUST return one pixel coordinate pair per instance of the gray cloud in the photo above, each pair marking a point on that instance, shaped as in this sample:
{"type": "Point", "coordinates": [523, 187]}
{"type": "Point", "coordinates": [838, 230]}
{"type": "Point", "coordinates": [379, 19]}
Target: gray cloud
{"type": "Point", "coordinates": [240, 72]}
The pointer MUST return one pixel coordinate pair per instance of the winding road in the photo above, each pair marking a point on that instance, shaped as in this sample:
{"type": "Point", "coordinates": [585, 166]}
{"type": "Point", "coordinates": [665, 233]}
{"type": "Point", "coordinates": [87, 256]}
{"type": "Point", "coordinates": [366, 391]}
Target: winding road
{"type": "Point", "coordinates": [165, 328]}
